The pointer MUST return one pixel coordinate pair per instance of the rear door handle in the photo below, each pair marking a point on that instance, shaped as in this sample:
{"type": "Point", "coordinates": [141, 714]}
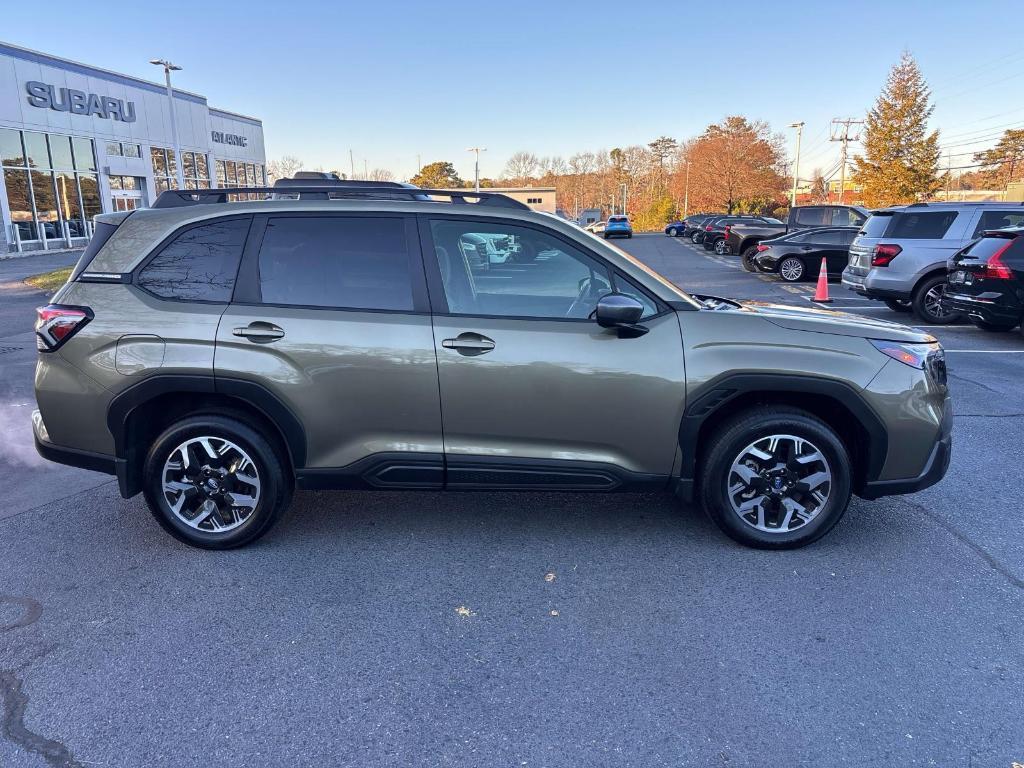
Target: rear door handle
{"type": "Point", "coordinates": [469, 344]}
{"type": "Point", "coordinates": [260, 332]}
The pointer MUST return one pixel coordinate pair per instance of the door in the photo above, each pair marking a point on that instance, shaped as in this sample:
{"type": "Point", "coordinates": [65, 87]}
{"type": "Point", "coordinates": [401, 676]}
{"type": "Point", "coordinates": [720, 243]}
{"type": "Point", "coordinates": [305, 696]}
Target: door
{"type": "Point", "coordinates": [533, 392]}
{"type": "Point", "coordinates": [330, 314]}
{"type": "Point", "coordinates": [834, 246]}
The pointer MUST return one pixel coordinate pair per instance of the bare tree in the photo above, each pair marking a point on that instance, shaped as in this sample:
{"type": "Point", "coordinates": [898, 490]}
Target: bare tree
{"type": "Point", "coordinates": [381, 174]}
{"type": "Point", "coordinates": [283, 168]}
{"type": "Point", "coordinates": [521, 167]}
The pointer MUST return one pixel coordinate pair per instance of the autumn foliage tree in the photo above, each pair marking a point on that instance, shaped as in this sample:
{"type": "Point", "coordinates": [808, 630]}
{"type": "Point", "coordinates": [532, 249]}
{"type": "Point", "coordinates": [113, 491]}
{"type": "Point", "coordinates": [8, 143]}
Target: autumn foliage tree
{"type": "Point", "coordinates": [1004, 163]}
{"type": "Point", "coordinates": [733, 161]}
{"type": "Point", "coordinates": [439, 175]}
{"type": "Point", "coordinates": [900, 163]}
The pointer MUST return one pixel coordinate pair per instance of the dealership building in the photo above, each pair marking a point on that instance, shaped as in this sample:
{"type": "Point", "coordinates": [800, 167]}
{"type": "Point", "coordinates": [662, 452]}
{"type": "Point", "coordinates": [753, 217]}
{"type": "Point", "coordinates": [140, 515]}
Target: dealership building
{"type": "Point", "coordinates": [76, 140]}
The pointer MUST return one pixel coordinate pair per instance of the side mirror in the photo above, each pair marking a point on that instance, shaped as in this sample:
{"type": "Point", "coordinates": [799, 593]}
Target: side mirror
{"type": "Point", "coordinates": [616, 310]}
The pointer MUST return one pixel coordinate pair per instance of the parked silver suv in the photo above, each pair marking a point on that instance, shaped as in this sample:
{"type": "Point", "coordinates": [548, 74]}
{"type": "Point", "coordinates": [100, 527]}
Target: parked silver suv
{"type": "Point", "coordinates": [900, 255]}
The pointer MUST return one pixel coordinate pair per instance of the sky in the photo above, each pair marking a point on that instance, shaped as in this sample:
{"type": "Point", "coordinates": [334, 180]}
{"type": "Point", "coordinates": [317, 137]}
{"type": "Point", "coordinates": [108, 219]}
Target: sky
{"type": "Point", "coordinates": [396, 81]}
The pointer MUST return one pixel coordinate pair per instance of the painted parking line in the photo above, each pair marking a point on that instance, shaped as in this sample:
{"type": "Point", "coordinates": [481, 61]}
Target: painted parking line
{"type": "Point", "coordinates": [988, 351]}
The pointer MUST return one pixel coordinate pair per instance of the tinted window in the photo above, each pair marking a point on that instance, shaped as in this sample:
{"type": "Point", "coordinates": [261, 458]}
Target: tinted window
{"type": "Point", "coordinates": [920, 225]}
{"type": "Point", "coordinates": [813, 216]}
{"type": "Point", "coordinates": [336, 261]}
{"type": "Point", "coordinates": [986, 248]}
{"type": "Point", "coordinates": [829, 237]}
{"type": "Point", "coordinates": [846, 217]}
{"type": "Point", "coordinates": [999, 220]}
{"type": "Point", "coordinates": [876, 225]}
{"type": "Point", "coordinates": [504, 270]}
{"type": "Point", "coordinates": [803, 237]}
{"type": "Point", "coordinates": [101, 233]}
{"type": "Point", "coordinates": [847, 236]}
{"type": "Point", "coordinates": [200, 264]}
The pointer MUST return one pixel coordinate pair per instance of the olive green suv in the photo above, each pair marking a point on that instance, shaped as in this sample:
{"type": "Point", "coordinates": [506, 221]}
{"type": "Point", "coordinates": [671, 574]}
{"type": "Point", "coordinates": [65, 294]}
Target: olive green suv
{"type": "Point", "coordinates": [226, 347]}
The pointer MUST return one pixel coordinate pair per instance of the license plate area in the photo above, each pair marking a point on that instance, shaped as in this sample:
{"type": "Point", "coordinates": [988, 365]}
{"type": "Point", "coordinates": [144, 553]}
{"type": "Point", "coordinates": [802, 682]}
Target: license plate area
{"type": "Point", "coordinates": [961, 277]}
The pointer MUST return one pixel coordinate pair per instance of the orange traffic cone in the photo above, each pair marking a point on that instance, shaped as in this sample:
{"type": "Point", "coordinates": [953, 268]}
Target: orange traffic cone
{"type": "Point", "coordinates": [821, 293]}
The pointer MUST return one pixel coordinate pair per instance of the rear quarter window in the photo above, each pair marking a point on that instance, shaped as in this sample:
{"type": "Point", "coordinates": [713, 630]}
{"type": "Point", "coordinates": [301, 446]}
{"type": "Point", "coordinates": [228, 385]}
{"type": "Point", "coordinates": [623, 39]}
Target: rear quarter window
{"type": "Point", "coordinates": [199, 264]}
{"type": "Point", "coordinates": [876, 225]}
{"type": "Point", "coordinates": [101, 233]}
{"type": "Point", "coordinates": [921, 225]}
{"type": "Point", "coordinates": [987, 247]}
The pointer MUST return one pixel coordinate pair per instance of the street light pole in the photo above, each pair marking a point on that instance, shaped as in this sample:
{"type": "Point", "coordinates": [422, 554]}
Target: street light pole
{"type": "Point", "coordinates": [686, 191]}
{"type": "Point", "coordinates": [476, 165]}
{"type": "Point", "coordinates": [168, 68]}
{"type": "Point", "coordinates": [796, 166]}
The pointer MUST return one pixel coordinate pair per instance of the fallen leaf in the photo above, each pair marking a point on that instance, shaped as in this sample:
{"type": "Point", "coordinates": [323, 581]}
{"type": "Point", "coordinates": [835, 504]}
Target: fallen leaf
{"type": "Point", "coordinates": [464, 611]}
{"type": "Point", "coordinates": [549, 576]}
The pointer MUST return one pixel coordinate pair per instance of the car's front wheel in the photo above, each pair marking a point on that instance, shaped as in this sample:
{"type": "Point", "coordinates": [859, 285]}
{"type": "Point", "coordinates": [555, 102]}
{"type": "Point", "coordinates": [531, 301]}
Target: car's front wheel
{"type": "Point", "coordinates": [722, 248]}
{"type": "Point", "coordinates": [672, 232]}
{"type": "Point", "coordinates": [776, 480]}
{"type": "Point", "coordinates": [214, 482]}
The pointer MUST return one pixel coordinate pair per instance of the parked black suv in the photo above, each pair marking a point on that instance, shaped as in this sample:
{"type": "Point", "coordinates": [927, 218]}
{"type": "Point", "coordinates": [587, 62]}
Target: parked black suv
{"type": "Point", "coordinates": [985, 280]}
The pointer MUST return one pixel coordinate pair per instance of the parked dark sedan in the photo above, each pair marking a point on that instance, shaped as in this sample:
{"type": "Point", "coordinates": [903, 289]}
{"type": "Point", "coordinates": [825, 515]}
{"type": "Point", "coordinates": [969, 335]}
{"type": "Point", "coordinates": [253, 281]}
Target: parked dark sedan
{"type": "Point", "coordinates": [686, 227]}
{"type": "Point", "coordinates": [797, 256]}
{"type": "Point", "coordinates": [985, 280]}
{"type": "Point", "coordinates": [717, 229]}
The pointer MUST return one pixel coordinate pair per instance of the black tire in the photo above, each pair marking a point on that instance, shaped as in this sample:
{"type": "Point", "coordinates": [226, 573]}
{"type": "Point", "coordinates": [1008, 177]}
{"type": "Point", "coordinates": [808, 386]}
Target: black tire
{"type": "Point", "coordinates": [747, 259]}
{"type": "Point", "coordinates": [898, 305]}
{"type": "Point", "coordinates": [742, 430]}
{"type": "Point", "coordinates": [985, 325]}
{"type": "Point", "coordinates": [275, 487]}
{"type": "Point", "coordinates": [695, 238]}
{"type": "Point", "coordinates": [672, 232]}
{"type": "Point", "coordinates": [629, 236]}
{"type": "Point", "coordinates": [925, 307]}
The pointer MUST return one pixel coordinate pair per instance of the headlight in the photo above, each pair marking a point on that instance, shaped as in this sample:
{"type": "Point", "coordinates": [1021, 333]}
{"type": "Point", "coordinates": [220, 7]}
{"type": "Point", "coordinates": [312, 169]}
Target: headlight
{"type": "Point", "coordinates": [925, 357]}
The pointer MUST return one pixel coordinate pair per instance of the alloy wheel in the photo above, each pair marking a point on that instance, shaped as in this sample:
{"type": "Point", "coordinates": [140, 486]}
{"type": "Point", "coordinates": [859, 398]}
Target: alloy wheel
{"type": "Point", "coordinates": [791, 270]}
{"type": "Point", "coordinates": [210, 484]}
{"type": "Point", "coordinates": [779, 483]}
{"type": "Point", "coordinates": [933, 302]}
{"type": "Point", "coordinates": [721, 247]}
{"type": "Point", "coordinates": [671, 231]}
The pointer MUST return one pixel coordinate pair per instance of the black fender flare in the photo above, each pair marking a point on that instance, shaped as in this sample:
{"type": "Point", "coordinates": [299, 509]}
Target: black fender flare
{"type": "Point", "coordinates": [717, 393]}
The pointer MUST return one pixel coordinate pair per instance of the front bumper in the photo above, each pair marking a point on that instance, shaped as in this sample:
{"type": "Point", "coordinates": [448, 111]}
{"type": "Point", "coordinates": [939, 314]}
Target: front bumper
{"type": "Point", "coordinates": [934, 469]}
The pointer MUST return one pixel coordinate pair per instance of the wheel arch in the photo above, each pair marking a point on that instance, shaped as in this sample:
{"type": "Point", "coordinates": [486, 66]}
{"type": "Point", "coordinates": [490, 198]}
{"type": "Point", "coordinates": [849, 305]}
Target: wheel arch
{"type": "Point", "coordinates": [137, 415]}
{"type": "Point", "coordinates": [836, 403]}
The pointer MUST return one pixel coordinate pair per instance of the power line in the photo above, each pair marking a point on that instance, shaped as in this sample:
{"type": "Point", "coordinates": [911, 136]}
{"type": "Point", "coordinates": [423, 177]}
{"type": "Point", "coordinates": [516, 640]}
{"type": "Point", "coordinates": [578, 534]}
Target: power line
{"type": "Point", "coordinates": [841, 133]}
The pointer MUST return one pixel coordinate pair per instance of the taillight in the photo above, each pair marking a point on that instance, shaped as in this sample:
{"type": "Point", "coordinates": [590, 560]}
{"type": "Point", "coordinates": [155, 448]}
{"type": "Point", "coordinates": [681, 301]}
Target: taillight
{"type": "Point", "coordinates": [727, 228]}
{"type": "Point", "coordinates": [884, 254]}
{"type": "Point", "coordinates": [995, 269]}
{"type": "Point", "coordinates": [56, 323]}
{"type": "Point", "coordinates": [761, 248]}
{"type": "Point", "coordinates": [707, 228]}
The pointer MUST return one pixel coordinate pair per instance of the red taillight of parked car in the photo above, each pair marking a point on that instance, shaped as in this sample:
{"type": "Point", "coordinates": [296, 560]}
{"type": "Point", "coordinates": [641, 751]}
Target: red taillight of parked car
{"type": "Point", "coordinates": [995, 269]}
{"type": "Point", "coordinates": [884, 254]}
{"type": "Point", "coordinates": [56, 323]}
{"type": "Point", "coordinates": [707, 228]}
{"type": "Point", "coordinates": [727, 228]}
{"type": "Point", "coordinates": [762, 248]}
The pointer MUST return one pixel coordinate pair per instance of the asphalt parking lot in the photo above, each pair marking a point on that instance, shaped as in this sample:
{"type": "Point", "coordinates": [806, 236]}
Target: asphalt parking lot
{"type": "Point", "coordinates": [520, 629]}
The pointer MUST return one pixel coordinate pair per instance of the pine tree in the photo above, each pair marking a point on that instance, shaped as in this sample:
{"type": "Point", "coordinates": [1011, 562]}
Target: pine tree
{"type": "Point", "coordinates": [900, 163]}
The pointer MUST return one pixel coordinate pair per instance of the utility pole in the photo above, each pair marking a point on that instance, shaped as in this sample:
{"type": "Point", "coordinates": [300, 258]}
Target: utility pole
{"type": "Point", "coordinates": [351, 166]}
{"type": "Point", "coordinates": [686, 191]}
{"type": "Point", "coordinates": [796, 166]}
{"type": "Point", "coordinates": [841, 133]}
{"type": "Point", "coordinates": [168, 68]}
{"type": "Point", "coordinates": [949, 172]}
{"type": "Point", "coordinates": [623, 199]}
{"type": "Point", "coordinates": [366, 169]}
{"type": "Point", "coordinates": [476, 165]}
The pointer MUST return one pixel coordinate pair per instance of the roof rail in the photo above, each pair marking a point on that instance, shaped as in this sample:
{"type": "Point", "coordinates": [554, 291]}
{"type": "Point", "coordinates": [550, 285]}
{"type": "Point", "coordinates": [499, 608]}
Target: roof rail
{"type": "Point", "coordinates": [176, 198]}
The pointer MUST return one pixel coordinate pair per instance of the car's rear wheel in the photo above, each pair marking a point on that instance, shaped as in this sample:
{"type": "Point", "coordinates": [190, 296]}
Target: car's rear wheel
{"type": "Point", "coordinates": [927, 302]}
{"type": "Point", "coordinates": [695, 238]}
{"type": "Point", "coordinates": [898, 305]}
{"type": "Point", "coordinates": [722, 247]}
{"type": "Point", "coordinates": [985, 325]}
{"type": "Point", "coordinates": [792, 269]}
{"type": "Point", "coordinates": [216, 483]}
{"type": "Point", "coordinates": [776, 480]}
{"type": "Point", "coordinates": [672, 232]}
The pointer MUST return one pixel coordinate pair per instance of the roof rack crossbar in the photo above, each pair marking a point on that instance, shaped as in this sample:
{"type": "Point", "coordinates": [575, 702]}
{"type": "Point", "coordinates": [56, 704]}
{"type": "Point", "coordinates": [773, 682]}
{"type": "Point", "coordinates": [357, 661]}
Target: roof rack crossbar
{"type": "Point", "coordinates": [175, 198]}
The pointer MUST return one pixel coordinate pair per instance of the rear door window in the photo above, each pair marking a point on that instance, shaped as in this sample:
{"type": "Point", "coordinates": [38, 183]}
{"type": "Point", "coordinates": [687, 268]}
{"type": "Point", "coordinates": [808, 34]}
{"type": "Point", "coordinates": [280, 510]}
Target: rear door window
{"type": "Point", "coordinates": [199, 264]}
{"type": "Point", "coordinates": [828, 238]}
{"type": "Point", "coordinates": [846, 217]}
{"type": "Point", "coordinates": [341, 262]}
{"type": "Point", "coordinates": [998, 220]}
{"type": "Point", "coordinates": [921, 225]}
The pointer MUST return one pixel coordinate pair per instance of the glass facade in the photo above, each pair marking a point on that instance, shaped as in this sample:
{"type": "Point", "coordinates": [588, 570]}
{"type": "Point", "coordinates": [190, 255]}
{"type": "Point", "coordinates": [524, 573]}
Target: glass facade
{"type": "Point", "coordinates": [194, 169]}
{"type": "Point", "coordinates": [51, 181]}
{"type": "Point", "coordinates": [237, 174]}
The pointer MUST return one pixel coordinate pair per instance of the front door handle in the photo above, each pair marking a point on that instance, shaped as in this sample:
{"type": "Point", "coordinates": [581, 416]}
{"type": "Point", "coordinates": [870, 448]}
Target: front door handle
{"type": "Point", "coordinates": [260, 332]}
{"type": "Point", "coordinates": [469, 344]}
